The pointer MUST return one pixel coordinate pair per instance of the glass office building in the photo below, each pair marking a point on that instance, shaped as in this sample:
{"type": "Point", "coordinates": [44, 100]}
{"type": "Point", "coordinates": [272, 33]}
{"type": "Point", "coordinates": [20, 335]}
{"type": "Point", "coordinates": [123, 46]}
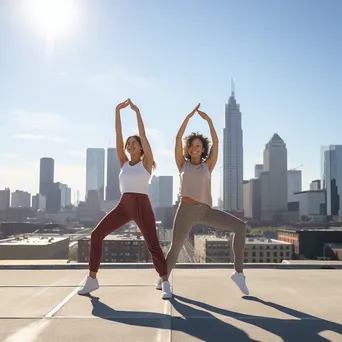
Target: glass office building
{"type": "Point", "coordinates": [332, 179]}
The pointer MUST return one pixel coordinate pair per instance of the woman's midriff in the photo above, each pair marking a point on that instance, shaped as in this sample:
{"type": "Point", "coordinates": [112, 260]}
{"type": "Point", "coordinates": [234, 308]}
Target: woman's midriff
{"type": "Point", "coordinates": [189, 200]}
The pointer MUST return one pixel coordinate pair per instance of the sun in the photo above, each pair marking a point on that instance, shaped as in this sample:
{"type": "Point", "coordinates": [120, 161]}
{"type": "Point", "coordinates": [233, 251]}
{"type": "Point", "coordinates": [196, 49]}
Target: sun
{"type": "Point", "coordinates": [52, 18]}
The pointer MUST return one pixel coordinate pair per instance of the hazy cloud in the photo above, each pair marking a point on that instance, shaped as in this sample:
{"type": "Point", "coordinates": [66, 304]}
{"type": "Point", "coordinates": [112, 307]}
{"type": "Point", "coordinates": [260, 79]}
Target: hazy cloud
{"type": "Point", "coordinates": [117, 75]}
{"type": "Point", "coordinates": [36, 120]}
{"type": "Point", "coordinates": [158, 141]}
{"type": "Point", "coordinates": [30, 136]}
{"type": "Point", "coordinates": [9, 155]}
{"type": "Point", "coordinates": [63, 75]}
{"type": "Point", "coordinates": [77, 154]}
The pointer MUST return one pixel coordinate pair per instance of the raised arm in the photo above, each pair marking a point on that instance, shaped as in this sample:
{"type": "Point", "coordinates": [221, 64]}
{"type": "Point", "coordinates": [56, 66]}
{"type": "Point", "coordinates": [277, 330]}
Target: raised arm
{"type": "Point", "coordinates": [179, 145]}
{"type": "Point", "coordinates": [120, 148]}
{"type": "Point", "coordinates": [212, 160]}
{"type": "Point", "coordinates": [148, 155]}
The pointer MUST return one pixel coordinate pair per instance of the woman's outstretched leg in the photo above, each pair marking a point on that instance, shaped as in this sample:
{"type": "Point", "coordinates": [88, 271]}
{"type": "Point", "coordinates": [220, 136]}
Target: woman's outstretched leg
{"type": "Point", "coordinates": [225, 221]}
{"type": "Point", "coordinates": [111, 222]}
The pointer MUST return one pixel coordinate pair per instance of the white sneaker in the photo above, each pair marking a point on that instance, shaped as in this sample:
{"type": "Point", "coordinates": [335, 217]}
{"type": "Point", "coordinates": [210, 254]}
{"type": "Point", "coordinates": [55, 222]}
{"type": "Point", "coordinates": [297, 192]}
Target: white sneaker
{"type": "Point", "coordinates": [166, 290]}
{"type": "Point", "coordinates": [240, 280]}
{"type": "Point", "coordinates": [159, 284]}
{"type": "Point", "coordinates": [90, 285]}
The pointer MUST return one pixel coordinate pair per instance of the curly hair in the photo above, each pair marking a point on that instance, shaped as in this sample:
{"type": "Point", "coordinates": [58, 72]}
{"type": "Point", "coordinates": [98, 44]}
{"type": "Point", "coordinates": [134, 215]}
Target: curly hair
{"type": "Point", "coordinates": [205, 142]}
{"type": "Point", "coordinates": [138, 139]}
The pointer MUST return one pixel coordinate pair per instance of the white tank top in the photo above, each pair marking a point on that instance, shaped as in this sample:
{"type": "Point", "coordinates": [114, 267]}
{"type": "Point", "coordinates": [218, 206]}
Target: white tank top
{"type": "Point", "coordinates": [134, 178]}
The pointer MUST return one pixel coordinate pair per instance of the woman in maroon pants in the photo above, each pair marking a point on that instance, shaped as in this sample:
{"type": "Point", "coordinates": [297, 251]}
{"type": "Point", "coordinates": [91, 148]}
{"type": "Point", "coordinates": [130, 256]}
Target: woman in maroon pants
{"type": "Point", "coordinates": [134, 203]}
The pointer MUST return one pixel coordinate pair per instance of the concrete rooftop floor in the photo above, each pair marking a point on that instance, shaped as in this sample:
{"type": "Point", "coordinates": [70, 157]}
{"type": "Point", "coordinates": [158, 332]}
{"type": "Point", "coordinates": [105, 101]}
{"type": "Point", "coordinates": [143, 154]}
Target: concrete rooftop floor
{"type": "Point", "coordinates": [284, 305]}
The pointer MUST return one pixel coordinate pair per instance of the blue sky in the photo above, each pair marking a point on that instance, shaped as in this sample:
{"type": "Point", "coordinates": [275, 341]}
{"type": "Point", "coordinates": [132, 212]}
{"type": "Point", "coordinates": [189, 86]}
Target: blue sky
{"type": "Point", "coordinates": [57, 98]}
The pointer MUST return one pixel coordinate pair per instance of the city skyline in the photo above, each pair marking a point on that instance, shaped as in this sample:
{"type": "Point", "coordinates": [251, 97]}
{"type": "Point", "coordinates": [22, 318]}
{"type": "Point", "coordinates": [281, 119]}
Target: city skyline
{"type": "Point", "coordinates": [59, 97]}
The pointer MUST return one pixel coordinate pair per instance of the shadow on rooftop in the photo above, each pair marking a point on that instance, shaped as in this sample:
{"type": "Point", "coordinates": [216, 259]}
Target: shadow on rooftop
{"type": "Point", "coordinates": [203, 325]}
{"type": "Point", "coordinates": [302, 327]}
{"type": "Point", "coordinates": [189, 325]}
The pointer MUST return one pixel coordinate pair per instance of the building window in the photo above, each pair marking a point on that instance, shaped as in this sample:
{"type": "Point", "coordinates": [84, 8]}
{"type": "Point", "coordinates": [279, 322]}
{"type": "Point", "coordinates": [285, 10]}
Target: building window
{"type": "Point", "coordinates": [268, 260]}
{"type": "Point", "coordinates": [253, 260]}
{"type": "Point", "coordinates": [268, 254]}
{"type": "Point", "coordinates": [261, 260]}
{"type": "Point", "coordinates": [275, 254]}
{"type": "Point", "coordinates": [287, 254]}
{"type": "Point", "coordinates": [246, 254]}
{"type": "Point", "coordinates": [245, 261]}
{"type": "Point", "coordinates": [254, 254]}
{"type": "Point", "coordinates": [261, 253]}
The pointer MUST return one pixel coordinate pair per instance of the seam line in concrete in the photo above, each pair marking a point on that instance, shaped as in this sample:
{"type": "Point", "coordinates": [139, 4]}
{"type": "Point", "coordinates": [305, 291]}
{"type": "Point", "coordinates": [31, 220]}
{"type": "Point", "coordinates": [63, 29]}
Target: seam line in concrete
{"type": "Point", "coordinates": [31, 332]}
{"type": "Point", "coordinates": [73, 285]}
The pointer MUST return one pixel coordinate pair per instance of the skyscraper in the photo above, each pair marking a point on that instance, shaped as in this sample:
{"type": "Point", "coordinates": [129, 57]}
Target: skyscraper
{"type": "Point", "coordinates": [332, 181]}
{"type": "Point", "coordinates": [258, 168]}
{"type": "Point", "coordinates": [21, 199]}
{"type": "Point", "coordinates": [5, 196]}
{"type": "Point", "coordinates": [294, 184]}
{"type": "Point", "coordinates": [39, 202]}
{"type": "Point", "coordinates": [95, 171]}
{"type": "Point", "coordinates": [165, 185]}
{"type": "Point", "coordinates": [46, 176]}
{"type": "Point", "coordinates": [232, 157]}
{"type": "Point", "coordinates": [274, 180]}
{"type": "Point", "coordinates": [161, 191]}
{"type": "Point", "coordinates": [153, 191]}
{"type": "Point", "coordinates": [65, 195]}
{"type": "Point", "coordinates": [113, 169]}
{"type": "Point", "coordinates": [252, 198]}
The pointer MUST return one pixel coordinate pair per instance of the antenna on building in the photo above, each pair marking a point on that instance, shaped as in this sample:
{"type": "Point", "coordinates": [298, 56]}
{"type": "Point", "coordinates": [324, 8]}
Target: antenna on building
{"type": "Point", "coordinates": [232, 85]}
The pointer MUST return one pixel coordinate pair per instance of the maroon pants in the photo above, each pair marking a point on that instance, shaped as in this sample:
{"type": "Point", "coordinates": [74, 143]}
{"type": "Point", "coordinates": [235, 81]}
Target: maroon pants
{"type": "Point", "coordinates": [136, 207]}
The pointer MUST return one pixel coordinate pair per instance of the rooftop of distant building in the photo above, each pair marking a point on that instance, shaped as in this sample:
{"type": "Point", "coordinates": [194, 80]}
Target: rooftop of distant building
{"type": "Point", "coordinates": [118, 237]}
{"type": "Point", "coordinates": [294, 305]}
{"type": "Point", "coordinates": [32, 240]}
{"type": "Point", "coordinates": [310, 230]}
{"type": "Point", "coordinates": [249, 240]}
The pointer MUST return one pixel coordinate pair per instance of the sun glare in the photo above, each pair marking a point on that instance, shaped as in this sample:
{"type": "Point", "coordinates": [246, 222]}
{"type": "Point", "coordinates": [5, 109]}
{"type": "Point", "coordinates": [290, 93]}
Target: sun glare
{"type": "Point", "coordinates": [53, 18]}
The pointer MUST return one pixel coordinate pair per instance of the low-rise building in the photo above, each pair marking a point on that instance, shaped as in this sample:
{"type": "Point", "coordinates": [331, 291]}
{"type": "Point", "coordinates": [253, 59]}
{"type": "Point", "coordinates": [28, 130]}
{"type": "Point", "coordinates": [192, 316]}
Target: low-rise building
{"type": "Point", "coordinates": [33, 247]}
{"type": "Point", "coordinates": [117, 248]}
{"type": "Point", "coordinates": [209, 248]}
{"type": "Point", "coordinates": [312, 204]}
{"type": "Point", "coordinates": [309, 243]}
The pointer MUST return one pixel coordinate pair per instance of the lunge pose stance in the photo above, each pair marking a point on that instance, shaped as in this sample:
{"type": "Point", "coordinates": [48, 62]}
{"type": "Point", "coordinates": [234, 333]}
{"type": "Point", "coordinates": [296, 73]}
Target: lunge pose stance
{"type": "Point", "coordinates": [134, 203]}
{"type": "Point", "coordinates": [195, 165]}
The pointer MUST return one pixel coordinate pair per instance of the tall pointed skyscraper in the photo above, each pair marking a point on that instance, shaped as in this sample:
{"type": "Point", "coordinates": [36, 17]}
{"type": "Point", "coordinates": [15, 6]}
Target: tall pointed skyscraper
{"type": "Point", "coordinates": [232, 157]}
